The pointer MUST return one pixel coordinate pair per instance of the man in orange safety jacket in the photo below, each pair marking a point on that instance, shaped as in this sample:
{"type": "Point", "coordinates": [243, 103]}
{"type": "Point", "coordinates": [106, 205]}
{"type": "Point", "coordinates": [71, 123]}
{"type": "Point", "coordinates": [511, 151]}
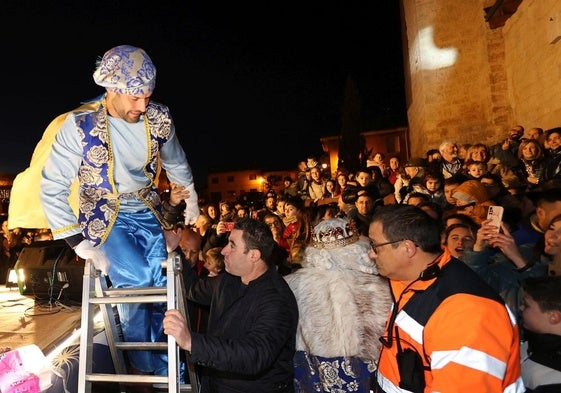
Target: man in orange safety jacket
{"type": "Point", "coordinates": [448, 331]}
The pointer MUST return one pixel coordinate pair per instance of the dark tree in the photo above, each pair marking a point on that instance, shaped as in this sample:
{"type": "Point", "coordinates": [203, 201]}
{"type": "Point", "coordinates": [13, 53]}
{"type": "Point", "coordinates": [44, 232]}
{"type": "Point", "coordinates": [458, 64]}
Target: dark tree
{"type": "Point", "coordinates": [352, 148]}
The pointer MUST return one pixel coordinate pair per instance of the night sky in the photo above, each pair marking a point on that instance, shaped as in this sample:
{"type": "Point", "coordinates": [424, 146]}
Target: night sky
{"type": "Point", "coordinates": [248, 85]}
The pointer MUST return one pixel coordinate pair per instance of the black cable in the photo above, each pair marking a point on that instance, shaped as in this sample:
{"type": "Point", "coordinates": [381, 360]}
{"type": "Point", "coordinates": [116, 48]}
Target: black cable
{"type": "Point", "coordinates": [52, 281]}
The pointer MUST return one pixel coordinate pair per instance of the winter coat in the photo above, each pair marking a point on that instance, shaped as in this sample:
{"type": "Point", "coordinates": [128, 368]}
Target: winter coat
{"type": "Point", "coordinates": [250, 339]}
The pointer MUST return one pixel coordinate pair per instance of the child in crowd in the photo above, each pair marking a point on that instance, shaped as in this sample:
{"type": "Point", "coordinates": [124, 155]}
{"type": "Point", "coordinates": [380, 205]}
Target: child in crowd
{"type": "Point", "coordinates": [214, 261]}
{"type": "Point", "coordinates": [475, 169]}
{"type": "Point", "coordinates": [541, 352]}
{"type": "Point", "coordinates": [434, 183]}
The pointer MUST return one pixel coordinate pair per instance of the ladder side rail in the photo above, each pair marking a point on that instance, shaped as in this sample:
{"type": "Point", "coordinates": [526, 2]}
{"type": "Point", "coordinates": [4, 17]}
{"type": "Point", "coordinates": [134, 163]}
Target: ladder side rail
{"type": "Point", "coordinates": [111, 331]}
{"type": "Point", "coordinates": [192, 370]}
{"type": "Point", "coordinates": [173, 351]}
{"type": "Point", "coordinates": [86, 331]}
{"type": "Point", "coordinates": [182, 307]}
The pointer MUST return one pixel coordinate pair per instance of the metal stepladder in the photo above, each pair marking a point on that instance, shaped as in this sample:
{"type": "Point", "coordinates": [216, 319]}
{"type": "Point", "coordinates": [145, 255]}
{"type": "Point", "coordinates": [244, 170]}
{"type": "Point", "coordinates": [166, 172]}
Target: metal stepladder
{"type": "Point", "coordinates": [96, 295]}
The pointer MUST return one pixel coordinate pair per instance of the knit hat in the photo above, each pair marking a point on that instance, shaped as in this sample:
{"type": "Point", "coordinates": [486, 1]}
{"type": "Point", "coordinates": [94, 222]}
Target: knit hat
{"type": "Point", "coordinates": [416, 162]}
{"type": "Point", "coordinates": [126, 70]}
{"type": "Point", "coordinates": [334, 233]}
{"type": "Point", "coordinates": [471, 191]}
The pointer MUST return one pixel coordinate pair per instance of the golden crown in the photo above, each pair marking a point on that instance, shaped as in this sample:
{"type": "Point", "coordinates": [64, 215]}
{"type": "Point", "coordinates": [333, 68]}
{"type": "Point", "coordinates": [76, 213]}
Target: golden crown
{"type": "Point", "coordinates": [334, 233]}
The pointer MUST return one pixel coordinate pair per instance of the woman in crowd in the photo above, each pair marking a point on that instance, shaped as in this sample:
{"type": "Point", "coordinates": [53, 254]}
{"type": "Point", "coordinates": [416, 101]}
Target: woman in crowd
{"type": "Point", "coordinates": [297, 233]}
{"type": "Point", "coordinates": [316, 188]}
{"type": "Point", "coordinates": [478, 152]}
{"type": "Point", "coordinates": [378, 160]}
{"type": "Point", "coordinates": [280, 254]}
{"type": "Point", "coordinates": [393, 169]}
{"type": "Point", "coordinates": [332, 189]}
{"type": "Point", "coordinates": [532, 163]}
{"type": "Point", "coordinates": [530, 166]}
{"type": "Point", "coordinates": [212, 212]}
{"type": "Point", "coordinates": [458, 238]}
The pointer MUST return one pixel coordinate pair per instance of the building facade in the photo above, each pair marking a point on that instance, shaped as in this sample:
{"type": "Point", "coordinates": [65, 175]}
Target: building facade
{"type": "Point", "coordinates": [472, 70]}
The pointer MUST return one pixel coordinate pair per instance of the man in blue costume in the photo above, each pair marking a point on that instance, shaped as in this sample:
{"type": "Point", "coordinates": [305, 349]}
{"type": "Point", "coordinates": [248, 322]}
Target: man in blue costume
{"type": "Point", "coordinates": [113, 146]}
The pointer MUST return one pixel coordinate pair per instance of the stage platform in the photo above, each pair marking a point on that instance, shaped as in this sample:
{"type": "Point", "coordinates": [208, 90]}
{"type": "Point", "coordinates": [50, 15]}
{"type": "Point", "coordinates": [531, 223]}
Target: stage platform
{"type": "Point", "coordinates": [55, 329]}
{"type": "Point", "coordinates": [25, 320]}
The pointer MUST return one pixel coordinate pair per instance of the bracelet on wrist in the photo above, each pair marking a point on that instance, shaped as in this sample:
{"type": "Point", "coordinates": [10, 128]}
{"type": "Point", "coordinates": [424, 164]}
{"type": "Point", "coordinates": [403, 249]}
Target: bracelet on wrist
{"type": "Point", "coordinates": [525, 267]}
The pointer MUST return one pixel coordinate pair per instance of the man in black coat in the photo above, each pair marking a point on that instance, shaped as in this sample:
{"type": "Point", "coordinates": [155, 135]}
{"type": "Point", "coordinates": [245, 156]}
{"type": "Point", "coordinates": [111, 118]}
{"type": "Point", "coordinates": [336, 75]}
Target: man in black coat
{"type": "Point", "coordinates": [250, 339]}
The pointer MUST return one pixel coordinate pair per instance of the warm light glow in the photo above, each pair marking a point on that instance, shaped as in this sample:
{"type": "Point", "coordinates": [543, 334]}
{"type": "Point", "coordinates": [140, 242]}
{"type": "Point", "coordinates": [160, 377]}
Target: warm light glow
{"type": "Point", "coordinates": [431, 57]}
{"type": "Point", "coordinates": [14, 276]}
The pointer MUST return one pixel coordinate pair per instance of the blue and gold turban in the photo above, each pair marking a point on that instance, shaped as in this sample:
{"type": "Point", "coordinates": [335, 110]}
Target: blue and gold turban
{"type": "Point", "coordinates": [127, 70]}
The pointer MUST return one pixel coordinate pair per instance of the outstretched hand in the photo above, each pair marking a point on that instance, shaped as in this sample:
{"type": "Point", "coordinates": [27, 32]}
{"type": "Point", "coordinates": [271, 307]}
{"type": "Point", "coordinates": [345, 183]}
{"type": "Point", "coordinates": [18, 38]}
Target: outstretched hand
{"type": "Point", "coordinates": [505, 242]}
{"type": "Point", "coordinates": [177, 194]}
{"type": "Point", "coordinates": [192, 210]}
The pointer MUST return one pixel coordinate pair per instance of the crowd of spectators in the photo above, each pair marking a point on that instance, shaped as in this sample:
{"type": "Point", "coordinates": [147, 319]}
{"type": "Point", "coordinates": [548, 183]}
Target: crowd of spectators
{"type": "Point", "coordinates": [444, 183]}
{"type": "Point", "coordinates": [456, 184]}
{"type": "Point", "coordinates": [452, 178]}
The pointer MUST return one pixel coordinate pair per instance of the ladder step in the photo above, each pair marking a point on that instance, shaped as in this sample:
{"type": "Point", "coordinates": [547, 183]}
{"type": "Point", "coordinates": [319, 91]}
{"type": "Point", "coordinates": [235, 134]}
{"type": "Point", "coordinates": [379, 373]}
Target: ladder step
{"type": "Point", "coordinates": [135, 291]}
{"type": "Point", "coordinates": [127, 378]}
{"type": "Point", "coordinates": [146, 346]}
{"type": "Point", "coordinates": [187, 388]}
{"type": "Point", "coordinates": [129, 299]}
{"type": "Point", "coordinates": [96, 292]}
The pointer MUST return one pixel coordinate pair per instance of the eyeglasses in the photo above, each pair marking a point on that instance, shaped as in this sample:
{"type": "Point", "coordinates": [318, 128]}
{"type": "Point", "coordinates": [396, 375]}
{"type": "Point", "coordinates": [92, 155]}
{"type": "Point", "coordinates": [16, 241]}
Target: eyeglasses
{"type": "Point", "coordinates": [375, 246]}
{"type": "Point", "coordinates": [273, 224]}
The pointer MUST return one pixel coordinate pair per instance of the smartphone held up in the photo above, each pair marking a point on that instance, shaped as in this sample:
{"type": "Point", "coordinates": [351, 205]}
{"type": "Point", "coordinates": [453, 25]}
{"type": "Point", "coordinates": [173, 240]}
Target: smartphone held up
{"type": "Point", "coordinates": [495, 213]}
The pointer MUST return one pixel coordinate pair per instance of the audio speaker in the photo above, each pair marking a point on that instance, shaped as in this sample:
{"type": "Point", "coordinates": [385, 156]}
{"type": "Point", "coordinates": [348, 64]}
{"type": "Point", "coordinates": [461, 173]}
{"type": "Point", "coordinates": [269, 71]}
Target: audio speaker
{"type": "Point", "coordinates": [51, 271]}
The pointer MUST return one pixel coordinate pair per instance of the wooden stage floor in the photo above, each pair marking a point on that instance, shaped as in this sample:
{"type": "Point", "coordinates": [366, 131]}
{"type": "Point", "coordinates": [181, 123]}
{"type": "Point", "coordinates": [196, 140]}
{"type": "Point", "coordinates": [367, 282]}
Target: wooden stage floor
{"type": "Point", "coordinates": [24, 321]}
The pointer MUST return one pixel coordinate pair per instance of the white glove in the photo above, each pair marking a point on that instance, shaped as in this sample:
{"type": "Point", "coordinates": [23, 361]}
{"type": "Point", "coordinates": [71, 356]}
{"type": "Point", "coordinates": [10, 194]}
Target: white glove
{"type": "Point", "coordinates": [192, 210]}
{"type": "Point", "coordinates": [86, 251]}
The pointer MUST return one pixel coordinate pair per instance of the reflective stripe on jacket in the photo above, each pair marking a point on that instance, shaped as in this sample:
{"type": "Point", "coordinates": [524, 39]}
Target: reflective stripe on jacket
{"type": "Point", "coordinates": [465, 336]}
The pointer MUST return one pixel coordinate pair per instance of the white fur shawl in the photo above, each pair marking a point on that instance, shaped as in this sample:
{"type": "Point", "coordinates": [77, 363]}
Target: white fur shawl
{"type": "Point", "coordinates": [343, 304]}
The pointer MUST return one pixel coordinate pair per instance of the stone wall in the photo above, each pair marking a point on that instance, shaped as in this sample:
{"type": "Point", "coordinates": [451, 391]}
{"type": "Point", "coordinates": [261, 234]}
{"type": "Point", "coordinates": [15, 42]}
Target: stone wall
{"type": "Point", "coordinates": [533, 63]}
{"type": "Point", "coordinates": [470, 83]}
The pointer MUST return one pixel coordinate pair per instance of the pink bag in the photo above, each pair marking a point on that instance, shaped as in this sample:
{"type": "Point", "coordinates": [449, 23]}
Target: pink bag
{"type": "Point", "coordinates": [24, 370]}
